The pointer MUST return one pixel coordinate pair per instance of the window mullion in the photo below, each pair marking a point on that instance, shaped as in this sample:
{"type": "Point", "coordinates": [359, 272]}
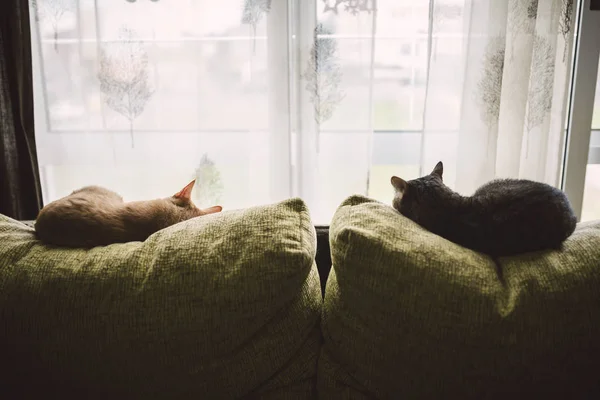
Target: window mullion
{"type": "Point", "coordinates": [306, 127]}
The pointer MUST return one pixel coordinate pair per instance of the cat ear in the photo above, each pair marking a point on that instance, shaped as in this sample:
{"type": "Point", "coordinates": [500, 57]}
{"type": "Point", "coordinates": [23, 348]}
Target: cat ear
{"type": "Point", "coordinates": [438, 170]}
{"type": "Point", "coordinates": [399, 184]}
{"type": "Point", "coordinates": [212, 210]}
{"type": "Point", "coordinates": [186, 192]}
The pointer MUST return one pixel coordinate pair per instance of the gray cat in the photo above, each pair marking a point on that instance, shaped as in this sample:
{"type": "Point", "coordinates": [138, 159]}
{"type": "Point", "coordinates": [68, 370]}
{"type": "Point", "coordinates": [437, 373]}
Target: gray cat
{"type": "Point", "coordinates": [95, 216]}
{"type": "Point", "coordinates": [503, 217]}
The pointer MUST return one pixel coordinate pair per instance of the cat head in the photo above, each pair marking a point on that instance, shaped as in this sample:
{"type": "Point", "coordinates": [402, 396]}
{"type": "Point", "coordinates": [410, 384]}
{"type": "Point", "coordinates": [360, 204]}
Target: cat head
{"type": "Point", "coordinates": [418, 199]}
{"type": "Point", "coordinates": [185, 208]}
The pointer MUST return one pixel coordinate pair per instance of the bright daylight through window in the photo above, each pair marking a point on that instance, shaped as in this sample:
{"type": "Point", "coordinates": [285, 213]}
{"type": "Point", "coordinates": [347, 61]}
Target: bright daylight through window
{"type": "Point", "coordinates": [261, 100]}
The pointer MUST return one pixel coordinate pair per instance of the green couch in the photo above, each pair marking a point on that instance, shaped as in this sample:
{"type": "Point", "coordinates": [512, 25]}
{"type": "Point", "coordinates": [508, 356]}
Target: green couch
{"type": "Point", "coordinates": [230, 306]}
{"type": "Point", "coordinates": [408, 314]}
{"type": "Point", "coordinates": [222, 306]}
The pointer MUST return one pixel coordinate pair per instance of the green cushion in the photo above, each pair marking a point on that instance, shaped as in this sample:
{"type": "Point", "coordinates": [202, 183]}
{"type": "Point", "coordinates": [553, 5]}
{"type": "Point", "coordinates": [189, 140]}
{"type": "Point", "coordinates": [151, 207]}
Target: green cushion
{"type": "Point", "coordinates": [221, 306]}
{"type": "Point", "coordinates": [408, 314]}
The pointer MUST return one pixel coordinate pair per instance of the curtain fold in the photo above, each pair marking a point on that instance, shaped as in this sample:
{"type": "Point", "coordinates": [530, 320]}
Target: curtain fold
{"type": "Point", "coordinates": [20, 191]}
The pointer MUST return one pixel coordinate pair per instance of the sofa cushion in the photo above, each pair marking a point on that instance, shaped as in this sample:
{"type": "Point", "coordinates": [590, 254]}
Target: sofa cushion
{"type": "Point", "coordinates": [220, 306]}
{"type": "Point", "coordinates": [408, 314]}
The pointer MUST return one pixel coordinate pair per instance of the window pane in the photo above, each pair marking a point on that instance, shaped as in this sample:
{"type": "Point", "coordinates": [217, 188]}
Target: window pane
{"type": "Point", "coordinates": [400, 89]}
{"type": "Point", "coordinates": [142, 97]}
{"type": "Point", "coordinates": [591, 196]}
{"type": "Point", "coordinates": [398, 69]}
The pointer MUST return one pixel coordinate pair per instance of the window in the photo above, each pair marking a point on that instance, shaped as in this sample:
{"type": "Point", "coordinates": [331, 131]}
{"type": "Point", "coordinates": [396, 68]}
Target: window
{"type": "Point", "coordinates": [262, 100]}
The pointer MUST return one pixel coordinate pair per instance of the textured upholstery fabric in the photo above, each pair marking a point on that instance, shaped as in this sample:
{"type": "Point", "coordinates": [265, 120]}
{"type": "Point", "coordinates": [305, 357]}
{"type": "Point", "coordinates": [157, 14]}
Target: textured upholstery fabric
{"type": "Point", "coordinates": [221, 306]}
{"type": "Point", "coordinates": [410, 315]}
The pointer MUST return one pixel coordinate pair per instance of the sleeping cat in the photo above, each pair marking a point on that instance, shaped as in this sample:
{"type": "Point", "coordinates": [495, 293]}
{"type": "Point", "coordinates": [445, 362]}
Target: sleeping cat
{"type": "Point", "coordinates": [503, 217]}
{"type": "Point", "coordinates": [95, 216]}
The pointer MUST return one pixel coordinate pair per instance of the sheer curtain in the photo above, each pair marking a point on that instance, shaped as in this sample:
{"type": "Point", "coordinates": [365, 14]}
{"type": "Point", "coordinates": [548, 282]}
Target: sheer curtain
{"type": "Point", "coordinates": [506, 79]}
{"type": "Point", "coordinates": [261, 100]}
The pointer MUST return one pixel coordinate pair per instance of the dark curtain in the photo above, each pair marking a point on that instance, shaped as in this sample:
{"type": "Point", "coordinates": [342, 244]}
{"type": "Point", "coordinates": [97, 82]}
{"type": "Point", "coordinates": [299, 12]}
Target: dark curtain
{"type": "Point", "coordinates": [323, 257]}
{"type": "Point", "coordinates": [20, 191]}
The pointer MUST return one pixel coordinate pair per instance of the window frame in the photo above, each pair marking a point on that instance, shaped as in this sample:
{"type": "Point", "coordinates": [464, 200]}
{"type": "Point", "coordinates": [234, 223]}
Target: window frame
{"type": "Point", "coordinates": [581, 104]}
